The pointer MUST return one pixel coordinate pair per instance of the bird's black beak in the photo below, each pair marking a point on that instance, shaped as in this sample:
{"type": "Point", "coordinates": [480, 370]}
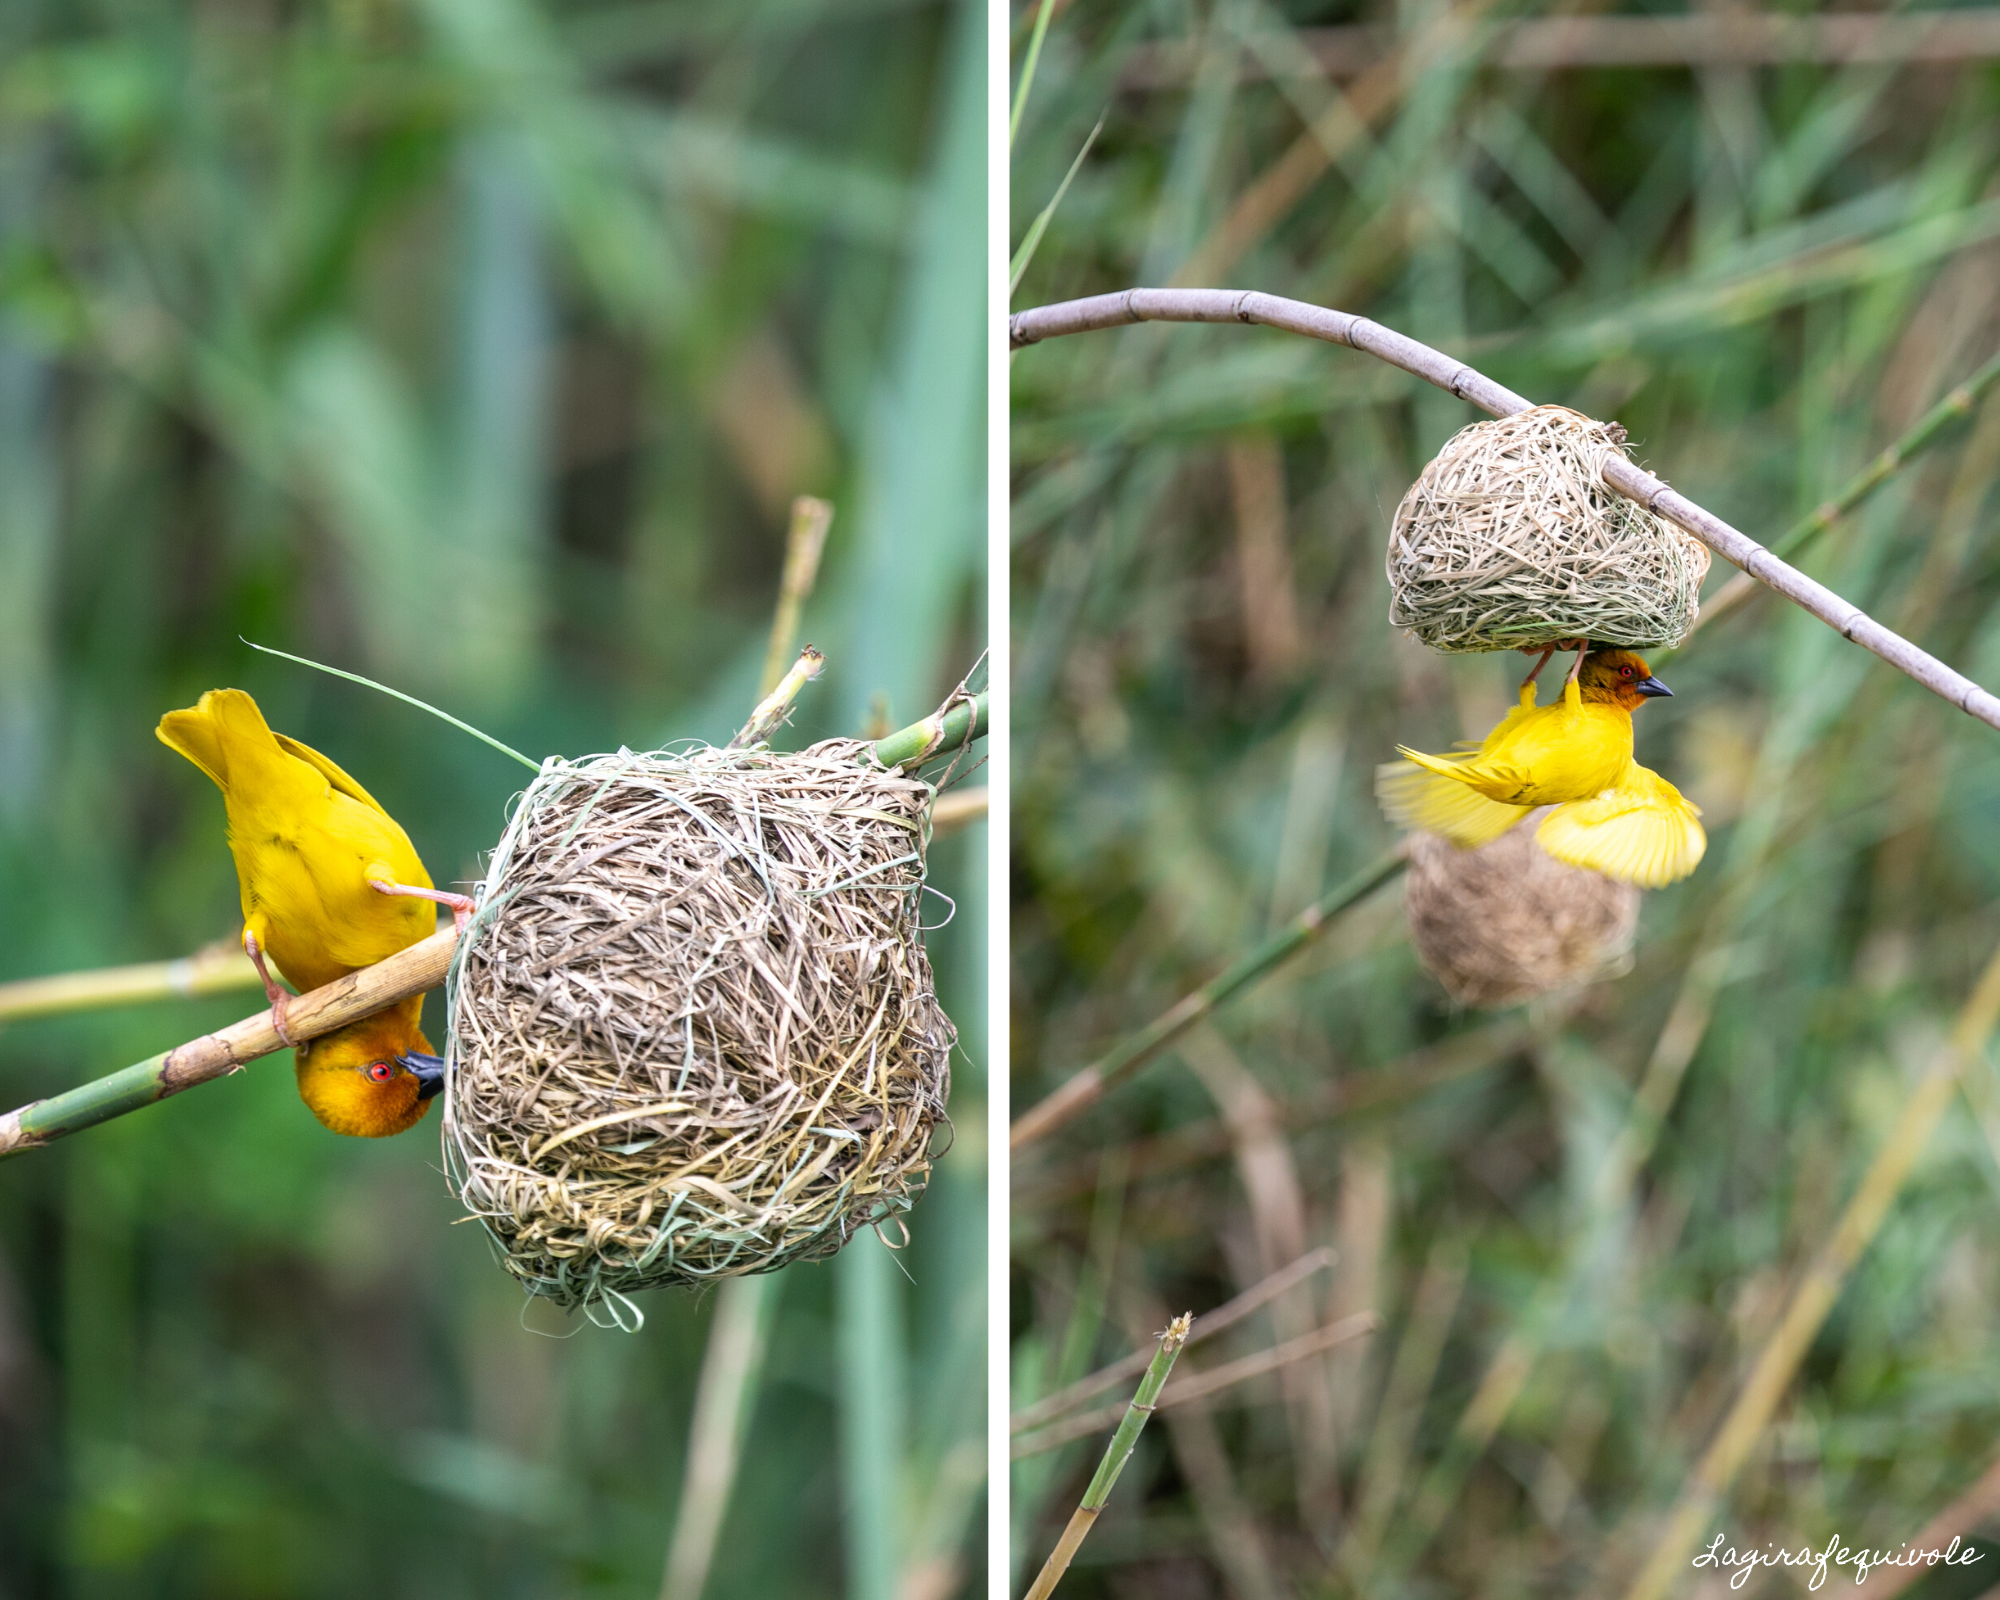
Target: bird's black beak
{"type": "Point", "coordinates": [1653, 687]}
{"type": "Point", "coordinates": [427, 1070]}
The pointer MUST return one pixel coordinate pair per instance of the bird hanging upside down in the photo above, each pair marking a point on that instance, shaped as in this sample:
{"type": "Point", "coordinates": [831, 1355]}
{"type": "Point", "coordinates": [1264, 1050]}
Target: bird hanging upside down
{"type": "Point", "coordinates": [329, 884]}
{"type": "Point", "coordinates": [1612, 815]}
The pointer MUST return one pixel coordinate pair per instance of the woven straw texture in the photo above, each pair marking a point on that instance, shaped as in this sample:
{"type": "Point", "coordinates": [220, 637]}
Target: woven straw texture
{"type": "Point", "coordinates": [1507, 921]}
{"type": "Point", "coordinates": [1511, 539]}
{"type": "Point", "coordinates": [693, 1030]}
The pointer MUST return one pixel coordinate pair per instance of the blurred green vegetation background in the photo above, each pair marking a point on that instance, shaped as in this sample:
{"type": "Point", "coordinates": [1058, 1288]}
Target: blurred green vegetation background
{"type": "Point", "coordinates": [479, 346]}
{"type": "Point", "coordinates": [1766, 269]}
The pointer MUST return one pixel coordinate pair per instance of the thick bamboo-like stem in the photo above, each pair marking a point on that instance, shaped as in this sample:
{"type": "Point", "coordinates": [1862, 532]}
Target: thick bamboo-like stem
{"type": "Point", "coordinates": [1778, 1362]}
{"type": "Point", "coordinates": [349, 999]}
{"type": "Point", "coordinates": [1126, 1368]}
{"type": "Point", "coordinates": [1420, 360]}
{"type": "Point", "coordinates": [215, 1055]}
{"type": "Point", "coordinates": [1086, 1088]}
{"type": "Point", "coordinates": [1200, 1385]}
{"type": "Point", "coordinates": [1922, 434]}
{"type": "Point", "coordinates": [951, 729]}
{"type": "Point", "coordinates": [218, 969]}
{"type": "Point", "coordinates": [1116, 1454]}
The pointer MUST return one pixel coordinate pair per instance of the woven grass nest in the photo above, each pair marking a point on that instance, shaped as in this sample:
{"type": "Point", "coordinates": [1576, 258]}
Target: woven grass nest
{"type": "Point", "coordinates": [694, 1032]}
{"type": "Point", "coordinates": [1510, 539]}
{"type": "Point", "coordinates": [1508, 921]}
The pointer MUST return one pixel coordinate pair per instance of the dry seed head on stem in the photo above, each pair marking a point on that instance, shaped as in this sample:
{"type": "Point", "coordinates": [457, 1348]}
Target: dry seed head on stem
{"type": "Point", "coordinates": [694, 1031]}
{"type": "Point", "coordinates": [1510, 538]}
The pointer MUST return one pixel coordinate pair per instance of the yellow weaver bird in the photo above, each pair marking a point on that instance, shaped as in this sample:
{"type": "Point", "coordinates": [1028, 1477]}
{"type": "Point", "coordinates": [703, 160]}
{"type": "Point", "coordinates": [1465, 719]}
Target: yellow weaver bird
{"type": "Point", "coordinates": [330, 883]}
{"type": "Point", "coordinates": [1612, 815]}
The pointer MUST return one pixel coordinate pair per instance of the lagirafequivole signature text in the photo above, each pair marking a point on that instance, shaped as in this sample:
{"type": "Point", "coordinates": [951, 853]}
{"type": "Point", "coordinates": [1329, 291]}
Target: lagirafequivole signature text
{"type": "Point", "coordinates": [1834, 1557]}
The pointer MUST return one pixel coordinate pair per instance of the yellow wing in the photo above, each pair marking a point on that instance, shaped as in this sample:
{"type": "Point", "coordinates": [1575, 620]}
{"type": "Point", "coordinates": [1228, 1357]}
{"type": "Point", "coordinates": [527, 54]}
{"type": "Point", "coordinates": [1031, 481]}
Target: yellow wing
{"type": "Point", "coordinates": [328, 770]}
{"type": "Point", "coordinates": [1642, 830]}
{"type": "Point", "coordinates": [1425, 800]}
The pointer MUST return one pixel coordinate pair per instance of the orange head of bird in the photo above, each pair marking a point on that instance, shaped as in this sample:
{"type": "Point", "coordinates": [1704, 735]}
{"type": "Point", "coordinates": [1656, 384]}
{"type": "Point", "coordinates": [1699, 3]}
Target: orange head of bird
{"type": "Point", "coordinates": [371, 1078]}
{"type": "Point", "coordinates": [1619, 678]}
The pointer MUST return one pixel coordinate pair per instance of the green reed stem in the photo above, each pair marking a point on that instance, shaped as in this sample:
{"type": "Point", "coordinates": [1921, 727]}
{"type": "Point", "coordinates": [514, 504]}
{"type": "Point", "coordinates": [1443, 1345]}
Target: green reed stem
{"type": "Point", "coordinates": [1116, 1454]}
{"type": "Point", "coordinates": [1131, 1053]}
{"type": "Point", "coordinates": [1028, 69]}
{"type": "Point", "coordinates": [936, 734]}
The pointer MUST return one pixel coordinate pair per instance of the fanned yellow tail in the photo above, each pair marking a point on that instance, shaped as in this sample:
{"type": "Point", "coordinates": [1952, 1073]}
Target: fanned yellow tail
{"type": "Point", "coordinates": [1643, 831]}
{"type": "Point", "coordinates": [225, 735]}
{"type": "Point", "coordinates": [1426, 799]}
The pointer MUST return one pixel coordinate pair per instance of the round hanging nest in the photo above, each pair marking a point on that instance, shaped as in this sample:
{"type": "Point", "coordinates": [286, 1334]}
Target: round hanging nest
{"type": "Point", "coordinates": [693, 1029]}
{"type": "Point", "coordinates": [1508, 921]}
{"type": "Point", "coordinates": [1510, 539]}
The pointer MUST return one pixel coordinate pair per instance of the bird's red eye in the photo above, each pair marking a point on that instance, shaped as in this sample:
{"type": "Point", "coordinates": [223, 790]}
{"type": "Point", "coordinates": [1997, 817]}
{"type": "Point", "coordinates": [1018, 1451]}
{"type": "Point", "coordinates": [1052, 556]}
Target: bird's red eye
{"type": "Point", "coordinates": [1624, 672]}
{"type": "Point", "coordinates": [381, 1071]}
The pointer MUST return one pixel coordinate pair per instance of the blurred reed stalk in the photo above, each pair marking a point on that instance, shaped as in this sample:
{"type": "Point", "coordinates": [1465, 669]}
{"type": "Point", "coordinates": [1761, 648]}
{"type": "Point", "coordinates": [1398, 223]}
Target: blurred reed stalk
{"type": "Point", "coordinates": [1041, 32]}
{"type": "Point", "coordinates": [1191, 1144]}
{"type": "Point", "coordinates": [871, 1363]}
{"type": "Point", "coordinates": [959, 808]}
{"type": "Point", "coordinates": [1116, 1454]}
{"type": "Point", "coordinates": [1568, 42]}
{"type": "Point", "coordinates": [1778, 1361]}
{"type": "Point", "coordinates": [1086, 1088]}
{"type": "Point", "coordinates": [729, 1369]}
{"type": "Point", "coordinates": [733, 1361]}
{"type": "Point", "coordinates": [805, 542]}
{"type": "Point", "coordinates": [218, 968]}
{"type": "Point", "coordinates": [214, 969]}
{"type": "Point", "coordinates": [1455, 377]}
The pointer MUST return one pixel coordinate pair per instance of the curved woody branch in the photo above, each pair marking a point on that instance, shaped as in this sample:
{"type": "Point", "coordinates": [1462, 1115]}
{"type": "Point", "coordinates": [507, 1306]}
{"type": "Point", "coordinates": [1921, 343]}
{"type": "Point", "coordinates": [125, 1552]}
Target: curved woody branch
{"type": "Point", "coordinates": [1420, 360]}
{"type": "Point", "coordinates": [360, 994]}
